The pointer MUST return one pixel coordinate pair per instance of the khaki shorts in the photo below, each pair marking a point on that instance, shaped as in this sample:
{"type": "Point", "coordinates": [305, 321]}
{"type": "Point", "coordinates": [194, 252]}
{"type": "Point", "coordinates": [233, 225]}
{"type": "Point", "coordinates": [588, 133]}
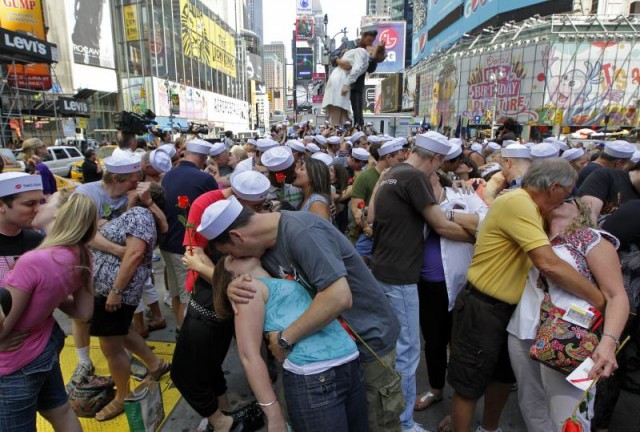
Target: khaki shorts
{"type": "Point", "coordinates": [385, 401]}
{"type": "Point", "coordinates": [175, 276]}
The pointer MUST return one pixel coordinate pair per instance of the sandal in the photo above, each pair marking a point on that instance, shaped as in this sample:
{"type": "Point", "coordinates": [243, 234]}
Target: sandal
{"type": "Point", "coordinates": [426, 400]}
{"type": "Point", "coordinates": [157, 325]}
{"type": "Point", "coordinates": [111, 410]}
{"type": "Point", "coordinates": [163, 369]}
{"type": "Point", "coordinates": [445, 425]}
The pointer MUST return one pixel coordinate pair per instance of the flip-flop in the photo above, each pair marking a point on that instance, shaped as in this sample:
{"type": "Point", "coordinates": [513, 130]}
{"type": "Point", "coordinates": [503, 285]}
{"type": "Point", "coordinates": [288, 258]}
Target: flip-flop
{"type": "Point", "coordinates": [111, 410]}
{"type": "Point", "coordinates": [426, 400]}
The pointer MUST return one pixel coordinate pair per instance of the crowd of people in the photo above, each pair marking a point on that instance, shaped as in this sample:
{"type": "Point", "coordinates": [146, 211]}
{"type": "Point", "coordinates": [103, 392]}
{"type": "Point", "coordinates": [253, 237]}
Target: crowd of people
{"type": "Point", "coordinates": [335, 249]}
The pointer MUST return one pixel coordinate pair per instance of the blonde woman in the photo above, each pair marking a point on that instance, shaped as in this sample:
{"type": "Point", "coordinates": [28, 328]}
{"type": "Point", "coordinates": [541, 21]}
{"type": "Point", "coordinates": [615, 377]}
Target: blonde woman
{"type": "Point", "coordinates": [34, 152]}
{"type": "Point", "coordinates": [237, 154]}
{"type": "Point", "coordinates": [55, 275]}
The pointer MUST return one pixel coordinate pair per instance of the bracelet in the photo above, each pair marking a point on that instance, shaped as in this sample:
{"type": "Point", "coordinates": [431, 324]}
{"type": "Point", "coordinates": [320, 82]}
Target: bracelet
{"type": "Point", "coordinates": [615, 339]}
{"type": "Point", "coordinates": [450, 215]}
{"type": "Point", "coordinates": [264, 405]}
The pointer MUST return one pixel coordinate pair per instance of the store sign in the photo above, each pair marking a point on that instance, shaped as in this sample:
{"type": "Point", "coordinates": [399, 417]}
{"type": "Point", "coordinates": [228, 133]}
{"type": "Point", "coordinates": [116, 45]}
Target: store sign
{"type": "Point", "coordinates": [304, 7]}
{"type": "Point", "coordinates": [369, 98]}
{"type": "Point", "coordinates": [131, 30]}
{"type": "Point", "coordinates": [92, 35]}
{"type": "Point", "coordinates": [26, 20]}
{"type": "Point", "coordinates": [71, 107]}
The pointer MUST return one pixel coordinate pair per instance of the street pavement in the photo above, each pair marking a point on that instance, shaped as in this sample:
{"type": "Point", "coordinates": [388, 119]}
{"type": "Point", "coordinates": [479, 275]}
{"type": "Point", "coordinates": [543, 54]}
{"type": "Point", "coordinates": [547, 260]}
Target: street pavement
{"type": "Point", "coordinates": [184, 419]}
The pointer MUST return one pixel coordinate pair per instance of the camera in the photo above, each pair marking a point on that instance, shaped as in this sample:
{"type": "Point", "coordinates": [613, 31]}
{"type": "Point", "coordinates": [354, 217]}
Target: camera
{"type": "Point", "coordinates": [132, 123]}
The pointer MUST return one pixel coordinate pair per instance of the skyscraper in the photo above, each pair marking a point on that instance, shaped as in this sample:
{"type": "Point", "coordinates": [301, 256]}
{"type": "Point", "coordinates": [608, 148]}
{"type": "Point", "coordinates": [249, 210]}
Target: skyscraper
{"type": "Point", "coordinates": [275, 61]}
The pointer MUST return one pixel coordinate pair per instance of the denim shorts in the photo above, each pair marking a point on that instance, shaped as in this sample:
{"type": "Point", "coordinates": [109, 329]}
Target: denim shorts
{"type": "Point", "coordinates": [38, 386]}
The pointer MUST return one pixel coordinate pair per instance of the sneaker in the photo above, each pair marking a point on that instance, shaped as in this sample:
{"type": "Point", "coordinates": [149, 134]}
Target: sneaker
{"type": "Point", "coordinates": [156, 258]}
{"type": "Point", "coordinates": [138, 370]}
{"type": "Point", "coordinates": [167, 299]}
{"type": "Point", "coordinates": [82, 370]}
{"type": "Point", "coordinates": [417, 427]}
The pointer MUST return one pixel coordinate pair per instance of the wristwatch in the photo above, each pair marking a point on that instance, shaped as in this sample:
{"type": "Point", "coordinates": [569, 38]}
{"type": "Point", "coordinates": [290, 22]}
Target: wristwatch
{"type": "Point", "coordinates": [116, 291]}
{"type": "Point", "coordinates": [283, 342]}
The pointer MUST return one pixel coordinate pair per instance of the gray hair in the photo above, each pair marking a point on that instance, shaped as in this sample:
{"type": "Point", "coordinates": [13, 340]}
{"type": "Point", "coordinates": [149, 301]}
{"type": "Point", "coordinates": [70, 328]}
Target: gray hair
{"type": "Point", "coordinates": [545, 172]}
{"type": "Point", "coordinates": [423, 153]}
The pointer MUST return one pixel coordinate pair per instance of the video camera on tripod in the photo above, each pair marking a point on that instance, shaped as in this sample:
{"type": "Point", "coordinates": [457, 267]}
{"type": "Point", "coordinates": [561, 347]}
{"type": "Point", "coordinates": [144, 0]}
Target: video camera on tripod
{"type": "Point", "coordinates": [132, 123]}
{"type": "Point", "coordinates": [192, 128]}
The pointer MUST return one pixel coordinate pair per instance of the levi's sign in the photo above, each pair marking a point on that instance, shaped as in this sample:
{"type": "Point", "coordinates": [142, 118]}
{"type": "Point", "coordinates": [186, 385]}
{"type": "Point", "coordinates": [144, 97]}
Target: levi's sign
{"type": "Point", "coordinates": [25, 48]}
{"type": "Point", "coordinates": [73, 107]}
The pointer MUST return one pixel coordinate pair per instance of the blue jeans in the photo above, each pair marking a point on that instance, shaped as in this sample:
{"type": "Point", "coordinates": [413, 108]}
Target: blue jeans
{"type": "Point", "coordinates": [38, 386]}
{"type": "Point", "coordinates": [405, 303]}
{"type": "Point", "coordinates": [364, 246]}
{"type": "Point", "coordinates": [333, 400]}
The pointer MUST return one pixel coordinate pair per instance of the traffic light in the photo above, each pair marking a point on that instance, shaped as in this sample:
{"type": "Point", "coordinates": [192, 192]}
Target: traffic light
{"type": "Point", "coordinates": [489, 114]}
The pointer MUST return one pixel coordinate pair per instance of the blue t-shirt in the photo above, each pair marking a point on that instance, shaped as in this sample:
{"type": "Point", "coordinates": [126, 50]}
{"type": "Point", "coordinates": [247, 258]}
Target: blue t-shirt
{"type": "Point", "coordinates": [288, 300]}
{"type": "Point", "coordinates": [185, 179]}
{"type": "Point", "coordinates": [108, 208]}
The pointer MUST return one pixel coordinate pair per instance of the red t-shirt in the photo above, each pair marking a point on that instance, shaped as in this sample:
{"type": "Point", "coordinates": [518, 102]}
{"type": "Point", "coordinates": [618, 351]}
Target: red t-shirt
{"type": "Point", "coordinates": [195, 216]}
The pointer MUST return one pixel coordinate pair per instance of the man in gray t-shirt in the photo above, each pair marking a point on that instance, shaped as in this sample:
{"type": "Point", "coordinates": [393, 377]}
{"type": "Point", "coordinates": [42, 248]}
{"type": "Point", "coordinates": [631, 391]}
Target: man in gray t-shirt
{"type": "Point", "coordinates": [310, 250]}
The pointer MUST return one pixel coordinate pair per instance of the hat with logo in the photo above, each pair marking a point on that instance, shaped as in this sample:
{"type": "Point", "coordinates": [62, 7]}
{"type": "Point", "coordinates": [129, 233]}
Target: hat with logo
{"type": "Point", "coordinates": [160, 161]}
{"type": "Point", "coordinates": [573, 154]}
{"type": "Point", "coordinates": [434, 142]}
{"type": "Point", "coordinates": [456, 150]}
{"type": "Point", "coordinates": [217, 149]}
{"type": "Point", "coordinates": [360, 154]}
{"type": "Point", "coordinates": [356, 136]}
{"type": "Point", "coordinates": [321, 140]}
{"type": "Point", "coordinates": [169, 149]}
{"type": "Point", "coordinates": [250, 186]}
{"type": "Point", "coordinates": [123, 163]}
{"type": "Point", "coordinates": [390, 147]}
{"type": "Point", "coordinates": [544, 150]}
{"type": "Point", "coordinates": [619, 149]}
{"type": "Point", "coordinates": [296, 145]}
{"type": "Point", "coordinates": [313, 148]}
{"type": "Point", "coordinates": [516, 151]}
{"type": "Point", "coordinates": [199, 146]}
{"type": "Point", "coordinates": [265, 144]}
{"type": "Point", "coordinates": [218, 217]}
{"type": "Point", "coordinates": [17, 182]}
{"type": "Point", "coordinates": [323, 157]}
{"type": "Point", "coordinates": [277, 158]}
{"type": "Point", "coordinates": [333, 140]}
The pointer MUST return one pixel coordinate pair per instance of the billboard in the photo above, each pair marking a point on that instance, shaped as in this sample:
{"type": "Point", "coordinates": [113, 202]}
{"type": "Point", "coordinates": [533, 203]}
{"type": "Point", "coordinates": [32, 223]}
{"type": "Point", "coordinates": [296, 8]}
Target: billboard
{"type": "Point", "coordinates": [393, 35]}
{"type": "Point", "coordinates": [304, 7]}
{"type": "Point", "coordinates": [304, 29]}
{"type": "Point", "coordinates": [27, 18]}
{"type": "Point", "coordinates": [409, 90]}
{"type": "Point", "coordinates": [419, 36]}
{"type": "Point", "coordinates": [391, 94]}
{"type": "Point", "coordinates": [206, 41]}
{"type": "Point", "coordinates": [92, 35]}
{"type": "Point", "coordinates": [473, 13]}
{"type": "Point", "coordinates": [304, 63]}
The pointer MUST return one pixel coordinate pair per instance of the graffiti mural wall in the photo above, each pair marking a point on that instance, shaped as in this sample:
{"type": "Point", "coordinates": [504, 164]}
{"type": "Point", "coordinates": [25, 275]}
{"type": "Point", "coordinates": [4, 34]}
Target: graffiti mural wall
{"type": "Point", "coordinates": [538, 85]}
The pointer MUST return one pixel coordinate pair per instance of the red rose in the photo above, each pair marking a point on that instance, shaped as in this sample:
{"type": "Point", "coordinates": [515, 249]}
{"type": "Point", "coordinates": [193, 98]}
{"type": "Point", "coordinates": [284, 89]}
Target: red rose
{"type": "Point", "coordinates": [572, 424]}
{"type": "Point", "coordinates": [183, 201]}
{"type": "Point", "coordinates": [351, 180]}
{"type": "Point", "coordinates": [280, 177]}
{"type": "Point", "coordinates": [361, 205]}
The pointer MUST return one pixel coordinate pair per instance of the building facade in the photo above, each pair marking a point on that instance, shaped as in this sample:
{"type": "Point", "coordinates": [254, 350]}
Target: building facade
{"type": "Point", "coordinates": [275, 61]}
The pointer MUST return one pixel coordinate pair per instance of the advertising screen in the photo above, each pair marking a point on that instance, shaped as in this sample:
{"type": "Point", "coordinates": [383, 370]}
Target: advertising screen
{"type": "Point", "coordinates": [304, 63]}
{"type": "Point", "coordinates": [91, 34]}
{"type": "Point", "coordinates": [393, 35]}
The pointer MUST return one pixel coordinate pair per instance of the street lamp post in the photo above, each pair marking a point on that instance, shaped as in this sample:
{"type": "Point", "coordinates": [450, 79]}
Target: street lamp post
{"type": "Point", "coordinates": [494, 78]}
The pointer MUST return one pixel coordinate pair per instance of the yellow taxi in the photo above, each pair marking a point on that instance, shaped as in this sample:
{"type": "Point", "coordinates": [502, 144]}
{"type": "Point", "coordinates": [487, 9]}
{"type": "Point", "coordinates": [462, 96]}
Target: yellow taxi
{"type": "Point", "coordinates": [101, 153]}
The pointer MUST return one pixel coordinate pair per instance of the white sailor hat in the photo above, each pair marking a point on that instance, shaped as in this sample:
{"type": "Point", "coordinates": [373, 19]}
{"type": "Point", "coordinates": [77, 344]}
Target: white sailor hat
{"type": "Point", "coordinates": [18, 182]}
{"type": "Point", "coordinates": [636, 157]}
{"type": "Point", "coordinates": [160, 161]}
{"type": "Point", "coordinates": [265, 144]}
{"type": "Point", "coordinates": [556, 142]}
{"type": "Point", "coordinates": [573, 154]}
{"type": "Point", "coordinates": [544, 150]}
{"type": "Point", "coordinates": [333, 140]}
{"type": "Point", "coordinates": [455, 141]}
{"type": "Point", "coordinates": [369, 28]}
{"type": "Point", "coordinates": [360, 154]}
{"type": "Point", "coordinates": [390, 147]}
{"type": "Point", "coordinates": [516, 151]}
{"type": "Point", "coordinates": [323, 157]}
{"type": "Point", "coordinates": [402, 140]}
{"type": "Point", "coordinates": [476, 147]}
{"type": "Point", "coordinates": [356, 136]}
{"type": "Point", "coordinates": [434, 142]}
{"type": "Point", "coordinates": [456, 150]}
{"type": "Point", "coordinates": [619, 149]}
{"type": "Point", "coordinates": [490, 169]}
{"type": "Point", "coordinates": [313, 148]}
{"type": "Point", "coordinates": [252, 142]}
{"type": "Point", "coordinates": [307, 138]}
{"type": "Point", "coordinates": [169, 149]}
{"type": "Point", "coordinates": [508, 143]}
{"type": "Point", "coordinates": [218, 217]}
{"type": "Point", "coordinates": [321, 140]}
{"type": "Point", "coordinates": [494, 146]}
{"type": "Point", "coordinates": [217, 149]}
{"type": "Point", "coordinates": [277, 158]}
{"type": "Point", "coordinates": [296, 145]}
{"type": "Point", "coordinates": [199, 146]}
{"type": "Point", "coordinates": [250, 186]}
{"type": "Point", "coordinates": [122, 163]}
{"type": "Point", "coordinates": [374, 139]}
